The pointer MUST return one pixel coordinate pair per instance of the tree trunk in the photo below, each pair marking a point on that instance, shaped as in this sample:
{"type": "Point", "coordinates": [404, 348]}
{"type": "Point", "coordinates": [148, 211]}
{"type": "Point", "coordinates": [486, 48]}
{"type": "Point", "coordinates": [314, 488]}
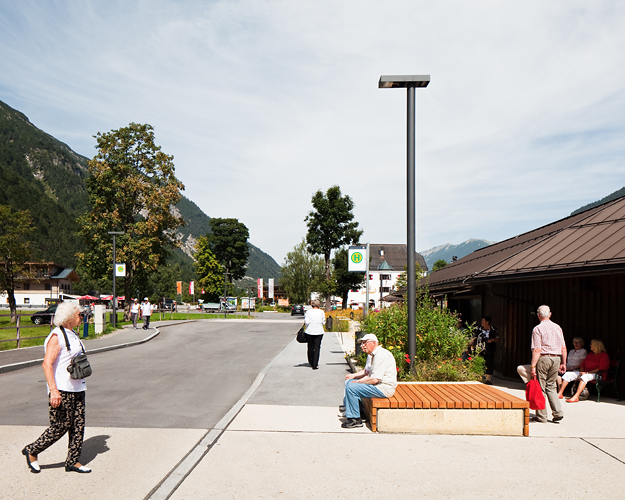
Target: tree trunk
{"type": "Point", "coordinates": [12, 306]}
{"type": "Point", "coordinates": [328, 306]}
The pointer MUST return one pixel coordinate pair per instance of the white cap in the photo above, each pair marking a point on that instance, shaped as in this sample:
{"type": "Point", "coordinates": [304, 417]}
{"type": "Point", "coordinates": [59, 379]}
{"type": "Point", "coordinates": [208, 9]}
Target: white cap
{"type": "Point", "coordinates": [145, 298]}
{"type": "Point", "coordinates": [367, 337]}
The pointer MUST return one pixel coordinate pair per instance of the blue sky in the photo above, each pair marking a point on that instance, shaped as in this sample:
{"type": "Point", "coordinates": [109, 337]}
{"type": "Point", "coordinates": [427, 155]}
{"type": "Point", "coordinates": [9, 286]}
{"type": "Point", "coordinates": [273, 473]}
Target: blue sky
{"type": "Point", "coordinates": [264, 102]}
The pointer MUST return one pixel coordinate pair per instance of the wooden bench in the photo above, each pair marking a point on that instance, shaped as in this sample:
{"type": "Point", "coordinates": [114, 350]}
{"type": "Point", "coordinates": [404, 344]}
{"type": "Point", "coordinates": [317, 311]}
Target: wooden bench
{"type": "Point", "coordinates": [609, 380]}
{"type": "Point", "coordinates": [448, 408]}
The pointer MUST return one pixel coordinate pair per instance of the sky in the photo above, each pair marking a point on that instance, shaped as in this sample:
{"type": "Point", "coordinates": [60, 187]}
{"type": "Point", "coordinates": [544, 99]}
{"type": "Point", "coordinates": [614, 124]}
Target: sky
{"type": "Point", "coordinates": [262, 103]}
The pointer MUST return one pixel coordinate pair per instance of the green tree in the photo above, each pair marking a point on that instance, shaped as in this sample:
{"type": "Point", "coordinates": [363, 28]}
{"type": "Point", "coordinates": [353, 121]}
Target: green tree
{"type": "Point", "coordinates": [344, 280]}
{"type": "Point", "coordinates": [301, 274]}
{"type": "Point", "coordinates": [402, 281]}
{"type": "Point", "coordinates": [132, 188]}
{"type": "Point", "coordinates": [209, 270]}
{"type": "Point", "coordinates": [15, 228]}
{"type": "Point", "coordinates": [228, 242]}
{"type": "Point", "coordinates": [439, 264]}
{"type": "Point", "coordinates": [330, 226]}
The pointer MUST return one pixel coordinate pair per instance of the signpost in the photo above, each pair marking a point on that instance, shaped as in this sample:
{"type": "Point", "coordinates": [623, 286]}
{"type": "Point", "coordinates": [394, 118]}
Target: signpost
{"type": "Point", "coordinates": [358, 262]}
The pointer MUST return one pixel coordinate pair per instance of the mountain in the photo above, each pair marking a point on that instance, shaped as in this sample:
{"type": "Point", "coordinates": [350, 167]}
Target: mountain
{"type": "Point", "coordinates": [448, 251]}
{"type": "Point", "coordinates": [43, 175]}
{"type": "Point", "coordinates": [610, 197]}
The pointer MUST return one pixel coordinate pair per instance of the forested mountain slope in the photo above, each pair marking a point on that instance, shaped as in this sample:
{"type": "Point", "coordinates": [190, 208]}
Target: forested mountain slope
{"type": "Point", "coordinates": [43, 175]}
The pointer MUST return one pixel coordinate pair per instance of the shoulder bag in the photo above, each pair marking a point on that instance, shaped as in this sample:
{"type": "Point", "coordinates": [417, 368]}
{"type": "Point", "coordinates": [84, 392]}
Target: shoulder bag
{"type": "Point", "coordinates": [79, 366]}
{"type": "Point", "coordinates": [302, 338]}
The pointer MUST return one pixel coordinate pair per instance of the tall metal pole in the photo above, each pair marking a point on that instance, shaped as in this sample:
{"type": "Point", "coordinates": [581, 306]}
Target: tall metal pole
{"type": "Point", "coordinates": [114, 296]}
{"type": "Point", "coordinates": [411, 225]}
{"type": "Point", "coordinates": [367, 283]}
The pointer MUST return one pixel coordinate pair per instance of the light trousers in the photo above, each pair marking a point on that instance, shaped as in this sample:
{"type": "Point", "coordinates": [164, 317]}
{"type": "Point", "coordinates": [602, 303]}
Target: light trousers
{"type": "Point", "coordinates": [547, 372]}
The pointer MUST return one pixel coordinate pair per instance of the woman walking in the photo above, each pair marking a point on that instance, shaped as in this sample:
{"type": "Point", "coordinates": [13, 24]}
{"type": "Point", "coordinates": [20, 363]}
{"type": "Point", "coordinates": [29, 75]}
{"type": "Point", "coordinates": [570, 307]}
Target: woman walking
{"type": "Point", "coordinates": [66, 395]}
{"type": "Point", "coordinates": [314, 320]}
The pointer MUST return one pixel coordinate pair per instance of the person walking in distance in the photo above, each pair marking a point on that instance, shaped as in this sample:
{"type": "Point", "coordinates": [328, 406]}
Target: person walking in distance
{"type": "Point", "coordinates": [146, 312]}
{"type": "Point", "coordinates": [134, 313]}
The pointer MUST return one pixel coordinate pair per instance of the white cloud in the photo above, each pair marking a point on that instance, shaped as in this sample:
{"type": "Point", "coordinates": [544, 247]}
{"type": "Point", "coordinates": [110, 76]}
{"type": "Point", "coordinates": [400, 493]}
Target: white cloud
{"type": "Point", "coordinates": [264, 102]}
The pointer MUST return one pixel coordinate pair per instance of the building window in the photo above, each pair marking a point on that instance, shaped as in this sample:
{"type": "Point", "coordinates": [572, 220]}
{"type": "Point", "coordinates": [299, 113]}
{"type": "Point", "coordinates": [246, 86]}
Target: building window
{"type": "Point", "coordinates": [386, 276]}
{"type": "Point", "coordinates": [48, 287]}
{"type": "Point", "coordinates": [385, 289]}
{"type": "Point", "coordinates": [26, 300]}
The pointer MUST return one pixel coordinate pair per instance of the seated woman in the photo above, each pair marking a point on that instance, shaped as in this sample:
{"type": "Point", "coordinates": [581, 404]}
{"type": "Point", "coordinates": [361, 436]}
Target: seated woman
{"type": "Point", "coordinates": [596, 363]}
{"type": "Point", "coordinates": [573, 361]}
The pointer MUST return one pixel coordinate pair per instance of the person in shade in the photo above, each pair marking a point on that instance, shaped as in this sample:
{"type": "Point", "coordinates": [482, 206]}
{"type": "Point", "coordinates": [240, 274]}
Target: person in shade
{"type": "Point", "coordinates": [573, 361]}
{"type": "Point", "coordinates": [379, 383]}
{"type": "Point", "coordinates": [314, 320]}
{"type": "Point", "coordinates": [66, 395]}
{"type": "Point", "coordinates": [486, 337]}
{"type": "Point", "coordinates": [596, 363]}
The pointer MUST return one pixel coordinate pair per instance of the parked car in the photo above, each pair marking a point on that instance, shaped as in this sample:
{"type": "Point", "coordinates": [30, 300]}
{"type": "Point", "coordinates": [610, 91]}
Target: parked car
{"type": "Point", "coordinates": [42, 317]}
{"type": "Point", "coordinates": [297, 309]}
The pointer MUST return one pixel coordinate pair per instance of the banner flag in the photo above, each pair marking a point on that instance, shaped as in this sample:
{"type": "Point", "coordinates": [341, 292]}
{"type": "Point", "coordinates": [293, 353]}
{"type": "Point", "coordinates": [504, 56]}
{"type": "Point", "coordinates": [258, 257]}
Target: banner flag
{"type": "Point", "coordinates": [179, 287]}
{"type": "Point", "coordinates": [260, 288]}
{"type": "Point", "coordinates": [271, 288]}
{"type": "Point", "coordinates": [191, 288]}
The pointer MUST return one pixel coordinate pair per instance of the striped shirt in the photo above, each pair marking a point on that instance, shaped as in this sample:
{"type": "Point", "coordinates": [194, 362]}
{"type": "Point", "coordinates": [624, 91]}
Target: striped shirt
{"type": "Point", "coordinates": [548, 338]}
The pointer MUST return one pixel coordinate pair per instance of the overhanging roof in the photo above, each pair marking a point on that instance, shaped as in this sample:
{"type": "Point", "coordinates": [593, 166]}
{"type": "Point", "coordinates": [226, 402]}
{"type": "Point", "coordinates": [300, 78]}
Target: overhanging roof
{"type": "Point", "coordinates": [591, 241]}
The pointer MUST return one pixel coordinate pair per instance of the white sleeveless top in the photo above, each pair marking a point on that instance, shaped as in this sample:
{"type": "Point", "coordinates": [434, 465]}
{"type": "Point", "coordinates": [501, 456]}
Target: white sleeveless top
{"type": "Point", "coordinates": [59, 367]}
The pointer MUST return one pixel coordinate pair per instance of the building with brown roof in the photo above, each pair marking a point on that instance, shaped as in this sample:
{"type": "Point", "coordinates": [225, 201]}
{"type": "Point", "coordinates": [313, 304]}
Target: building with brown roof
{"type": "Point", "coordinates": [575, 265]}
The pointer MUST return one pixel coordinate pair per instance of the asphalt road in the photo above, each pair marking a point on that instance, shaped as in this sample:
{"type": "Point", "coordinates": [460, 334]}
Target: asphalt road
{"type": "Point", "coordinates": [187, 377]}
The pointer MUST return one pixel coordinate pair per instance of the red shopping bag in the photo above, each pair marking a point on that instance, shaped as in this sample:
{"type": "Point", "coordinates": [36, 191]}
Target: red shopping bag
{"type": "Point", "coordinates": [534, 394]}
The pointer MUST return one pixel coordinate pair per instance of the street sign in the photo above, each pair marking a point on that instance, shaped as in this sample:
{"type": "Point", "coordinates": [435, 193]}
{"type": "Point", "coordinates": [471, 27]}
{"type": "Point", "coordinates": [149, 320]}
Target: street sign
{"type": "Point", "coordinates": [120, 270]}
{"type": "Point", "coordinates": [357, 259]}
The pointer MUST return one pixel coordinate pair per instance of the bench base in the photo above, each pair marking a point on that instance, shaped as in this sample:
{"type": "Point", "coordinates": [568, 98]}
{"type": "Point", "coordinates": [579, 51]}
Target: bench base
{"type": "Point", "coordinates": [441, 421]}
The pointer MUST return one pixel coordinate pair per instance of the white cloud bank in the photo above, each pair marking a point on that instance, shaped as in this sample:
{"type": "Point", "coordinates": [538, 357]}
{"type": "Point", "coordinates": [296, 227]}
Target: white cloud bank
{"type": "Point", "coordinates": [264, 102]}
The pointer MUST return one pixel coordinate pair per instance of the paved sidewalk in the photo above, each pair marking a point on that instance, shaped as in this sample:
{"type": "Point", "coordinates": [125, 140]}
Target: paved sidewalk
{"type": "Point", "coordinates": [286, 442]}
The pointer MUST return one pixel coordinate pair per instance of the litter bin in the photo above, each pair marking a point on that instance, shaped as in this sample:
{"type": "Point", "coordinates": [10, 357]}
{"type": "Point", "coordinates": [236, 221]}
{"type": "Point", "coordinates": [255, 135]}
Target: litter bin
{"type": "Point", "coordinates": [357, 347]}
{"type": "Point", "coordinates": [111, 318]}
{"type": "Point", "coordinates": [329, 322]}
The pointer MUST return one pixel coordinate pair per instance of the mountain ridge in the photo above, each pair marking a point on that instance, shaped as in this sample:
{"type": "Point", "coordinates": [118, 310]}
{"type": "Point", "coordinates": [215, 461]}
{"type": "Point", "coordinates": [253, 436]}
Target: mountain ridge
{"type": "Point", "coordinates": [44, 175]}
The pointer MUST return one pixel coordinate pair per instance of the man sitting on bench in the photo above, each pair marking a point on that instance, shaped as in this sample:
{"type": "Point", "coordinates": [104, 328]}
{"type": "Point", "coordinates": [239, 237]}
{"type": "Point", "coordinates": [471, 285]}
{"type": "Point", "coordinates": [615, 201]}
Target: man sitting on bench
{"type": "Point", "coordinates": [379, 383]}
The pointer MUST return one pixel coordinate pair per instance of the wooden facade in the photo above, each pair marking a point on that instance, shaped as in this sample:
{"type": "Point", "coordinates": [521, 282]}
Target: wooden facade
{"type": "Point", "coordinates": [587, 306]}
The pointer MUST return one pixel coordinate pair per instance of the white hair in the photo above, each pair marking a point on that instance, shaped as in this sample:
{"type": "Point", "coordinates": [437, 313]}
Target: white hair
{"type": "Point", "coordinates": [65, 312]}
{"type": "Point", "coordinates": [544, 312]}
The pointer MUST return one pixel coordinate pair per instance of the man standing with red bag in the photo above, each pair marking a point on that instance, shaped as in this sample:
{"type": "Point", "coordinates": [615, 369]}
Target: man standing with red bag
{"type": "Point", "coordinates": [548, 357]}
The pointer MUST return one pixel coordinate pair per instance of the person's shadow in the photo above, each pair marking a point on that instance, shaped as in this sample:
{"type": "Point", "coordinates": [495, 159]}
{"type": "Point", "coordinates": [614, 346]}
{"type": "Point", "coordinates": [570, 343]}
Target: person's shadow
{"type": "Point", "coordinates": [91, 448]}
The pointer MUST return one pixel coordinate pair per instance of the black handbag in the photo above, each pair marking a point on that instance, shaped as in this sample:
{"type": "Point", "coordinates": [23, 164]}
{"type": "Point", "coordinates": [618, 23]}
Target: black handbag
{"type": "Point", "coordinates": [302, 338]}
{"type": "Point", "coordinates": [79, 366]}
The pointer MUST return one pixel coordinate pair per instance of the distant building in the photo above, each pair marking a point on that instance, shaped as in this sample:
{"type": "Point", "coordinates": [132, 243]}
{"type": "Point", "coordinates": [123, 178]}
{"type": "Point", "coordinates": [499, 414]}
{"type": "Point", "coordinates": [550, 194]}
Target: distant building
{"type": "Point", "coordinates": [50, 282]}
{"type": "Point", "coordinates": [387, 262]}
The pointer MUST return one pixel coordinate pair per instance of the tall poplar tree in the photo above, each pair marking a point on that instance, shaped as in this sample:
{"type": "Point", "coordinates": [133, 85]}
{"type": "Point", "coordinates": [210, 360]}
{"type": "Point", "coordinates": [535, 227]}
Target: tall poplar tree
{"type": "Point", "coordinates": [132, 188]}
{"type": "Point", "coordinates": [330, 226]}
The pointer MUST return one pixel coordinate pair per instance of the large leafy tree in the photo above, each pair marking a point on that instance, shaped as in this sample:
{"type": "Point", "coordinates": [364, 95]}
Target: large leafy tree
{"type": "Point", "coordinates": [132, 188]}
{"type": "Point", "coordinates": [228, 242]}
{"type": "Point", "coordinates": [15, 228]}
{"type": "Point", "coordinates": [209, 270]}
{"type": "Point", "coordinates": [330, 226]}
{"type": "Point", "coordinates": [344, 280]}
{"type": "Point", "coordinates": [301, 274]}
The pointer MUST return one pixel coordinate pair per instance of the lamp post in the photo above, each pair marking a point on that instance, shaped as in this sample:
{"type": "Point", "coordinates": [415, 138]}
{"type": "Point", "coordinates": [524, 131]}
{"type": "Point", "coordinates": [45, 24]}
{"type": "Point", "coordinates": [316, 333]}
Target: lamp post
{"type": "Point", "coordinates": [409, 82]}
{"type": "Point", "coordinates": [114, 233]}
{"type": "Point", "coordinates": [226, 274]}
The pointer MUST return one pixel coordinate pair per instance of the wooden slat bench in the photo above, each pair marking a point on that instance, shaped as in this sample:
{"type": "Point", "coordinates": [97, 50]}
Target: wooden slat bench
{"type": "Point", "coordinates": [448, 408]}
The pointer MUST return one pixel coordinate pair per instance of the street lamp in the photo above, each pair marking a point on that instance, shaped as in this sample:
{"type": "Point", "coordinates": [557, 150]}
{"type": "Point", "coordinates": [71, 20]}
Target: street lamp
{"type": "Point", "coordinates": [114, 233]}
{"type": "Point", "coordinates": [409, 82]}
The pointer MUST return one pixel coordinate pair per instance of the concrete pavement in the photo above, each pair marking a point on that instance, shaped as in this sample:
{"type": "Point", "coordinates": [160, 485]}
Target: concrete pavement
{"type": "Point", "coordinates": [283, 440]}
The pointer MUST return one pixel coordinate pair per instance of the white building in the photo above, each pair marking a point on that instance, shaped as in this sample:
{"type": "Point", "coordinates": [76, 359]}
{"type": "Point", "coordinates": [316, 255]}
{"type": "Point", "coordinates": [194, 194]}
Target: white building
{"type": "Point", "coordinates": [49, 281]}
{"type": "Point", "coordinates": [386, 263]}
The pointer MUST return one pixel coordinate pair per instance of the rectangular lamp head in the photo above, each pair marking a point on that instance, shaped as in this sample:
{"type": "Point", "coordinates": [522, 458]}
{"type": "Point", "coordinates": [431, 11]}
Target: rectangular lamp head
{"type": "Point", "coordinates": [399, 81]}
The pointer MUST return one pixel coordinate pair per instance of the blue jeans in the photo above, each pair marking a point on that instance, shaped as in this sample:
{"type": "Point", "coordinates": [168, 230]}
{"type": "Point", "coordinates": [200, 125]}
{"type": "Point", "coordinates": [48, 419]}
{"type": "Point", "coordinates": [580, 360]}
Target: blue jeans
{"type": "Point", "coordinates": [354, 392]}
